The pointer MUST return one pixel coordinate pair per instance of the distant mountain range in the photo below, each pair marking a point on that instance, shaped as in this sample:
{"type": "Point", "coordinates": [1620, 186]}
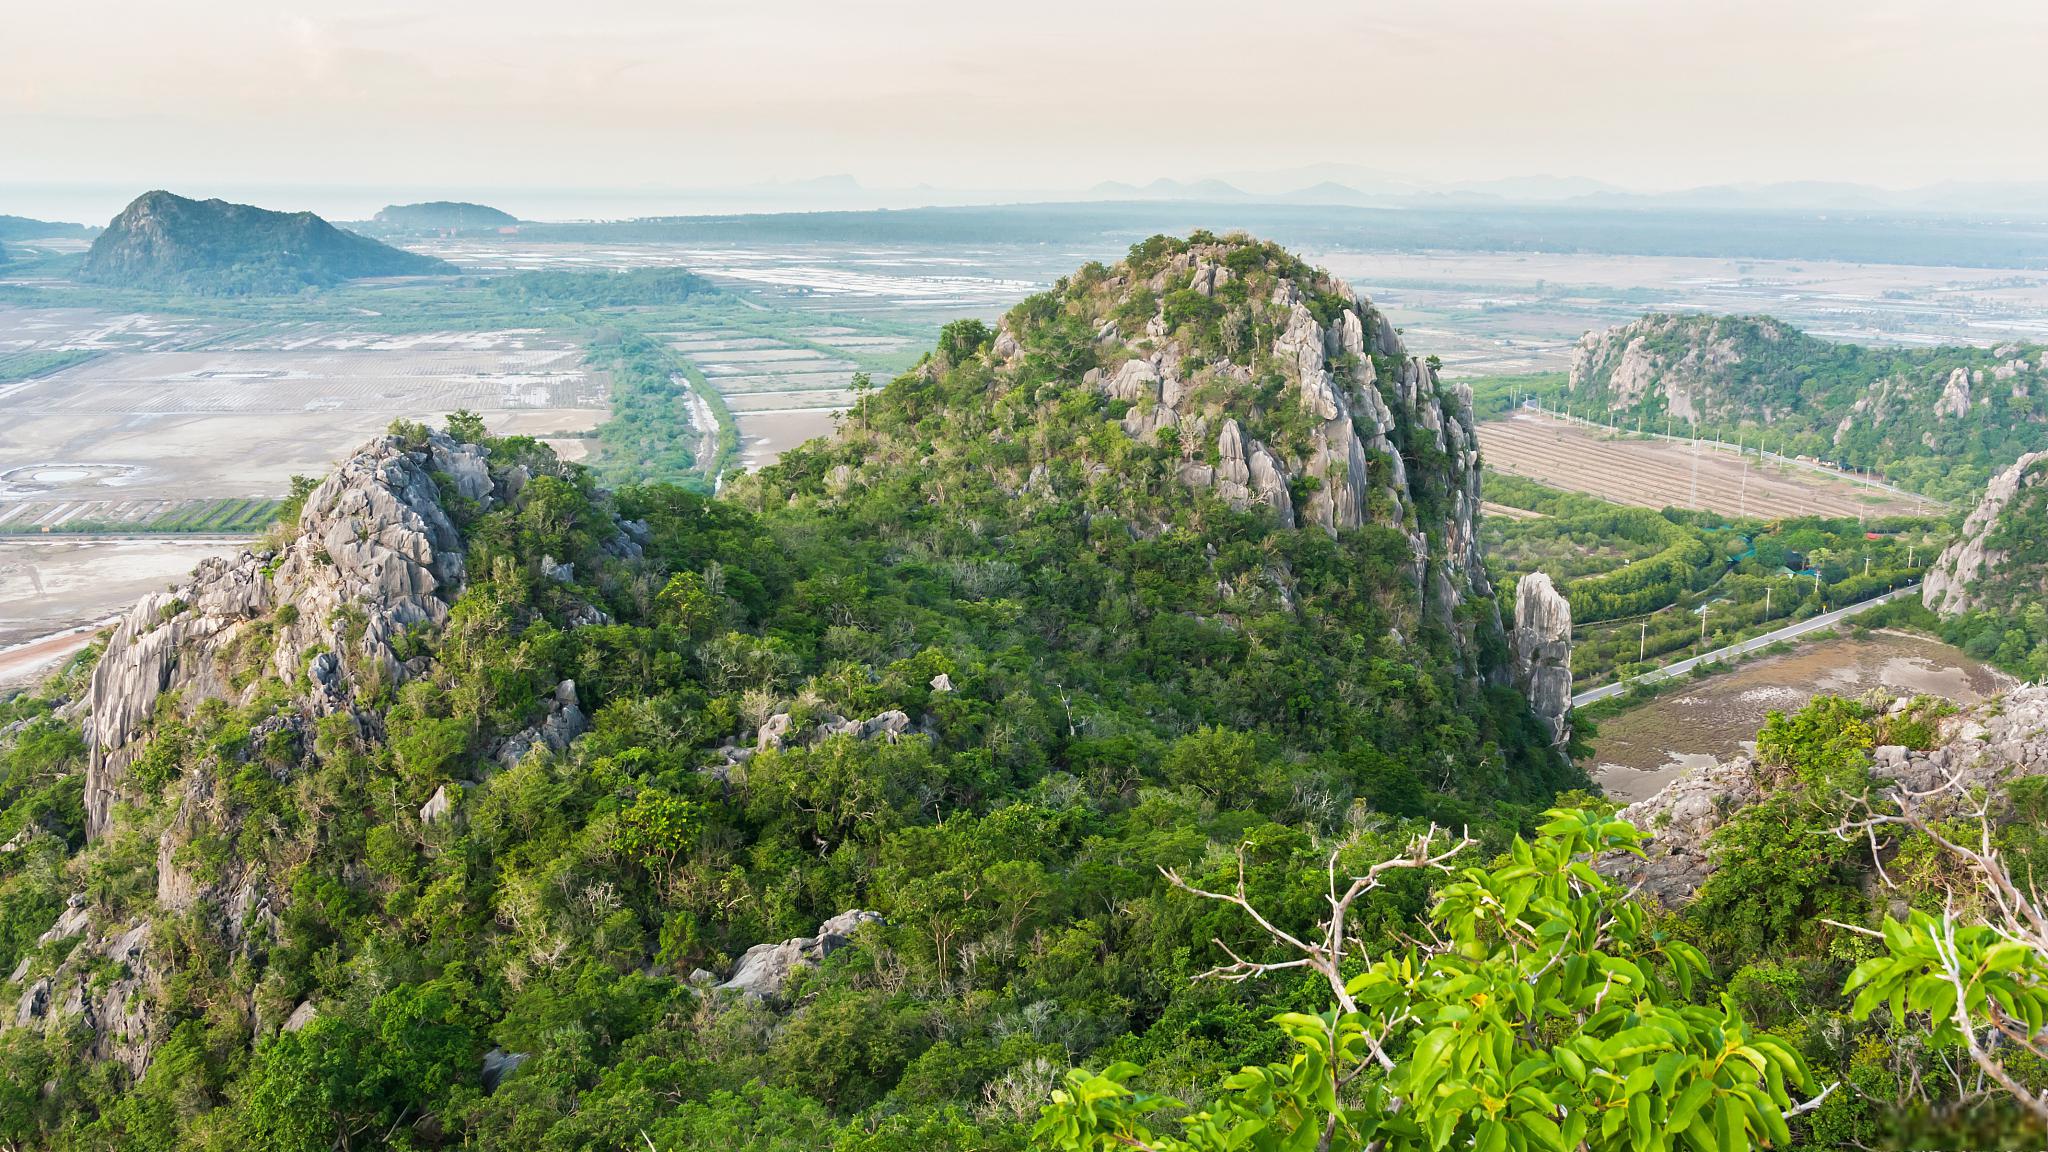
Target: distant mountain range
{"type": "Point", "coordinates": [211, 247]}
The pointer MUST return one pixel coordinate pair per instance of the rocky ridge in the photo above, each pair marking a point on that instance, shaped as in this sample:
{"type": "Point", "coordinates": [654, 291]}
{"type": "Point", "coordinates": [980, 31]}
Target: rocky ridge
{"type": "Point", "coordinates": [374, 553]}
{"type": "Point", "coordinates": [1956, 583]}
{"type": "Point", "coordinates": [372, 538]}
{"type": "Point", "coordinates": [1369, 405]}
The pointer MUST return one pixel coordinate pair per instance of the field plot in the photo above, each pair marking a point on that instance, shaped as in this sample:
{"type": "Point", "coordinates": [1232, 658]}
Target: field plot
{"type": "Point", "coordinates": [172, 426]}
{"type": "Point", "coordinates": [49, 583]}
{"type": "Point", "coordinates": [91, 330]}
{"type": "Point", "coordinates": [781, 390]}
{"type": "Point", "coordinates": [1661, 474]}
{"type": "Point", "coordinates": [940, 282]}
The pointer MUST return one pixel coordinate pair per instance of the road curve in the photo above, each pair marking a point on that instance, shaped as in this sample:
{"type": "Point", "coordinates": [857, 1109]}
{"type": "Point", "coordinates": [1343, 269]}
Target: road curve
{"type": "Point", "coordinates": [1791, 631]}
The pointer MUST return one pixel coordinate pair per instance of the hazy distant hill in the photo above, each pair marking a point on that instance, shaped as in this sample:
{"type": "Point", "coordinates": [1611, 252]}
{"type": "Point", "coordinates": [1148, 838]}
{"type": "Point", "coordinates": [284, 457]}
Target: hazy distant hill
{"type": "Point", "coordinates": [170, 243]}
{"type": "Point", "coordinates": [24, 228]}
{"type": "Point", "coordinates": [444, 214]}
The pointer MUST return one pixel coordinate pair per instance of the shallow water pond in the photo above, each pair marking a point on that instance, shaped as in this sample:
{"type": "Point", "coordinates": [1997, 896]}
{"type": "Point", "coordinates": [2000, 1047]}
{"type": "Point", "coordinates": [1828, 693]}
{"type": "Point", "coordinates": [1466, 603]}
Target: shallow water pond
{"type": "Point", "coordinates": [1640, 751]}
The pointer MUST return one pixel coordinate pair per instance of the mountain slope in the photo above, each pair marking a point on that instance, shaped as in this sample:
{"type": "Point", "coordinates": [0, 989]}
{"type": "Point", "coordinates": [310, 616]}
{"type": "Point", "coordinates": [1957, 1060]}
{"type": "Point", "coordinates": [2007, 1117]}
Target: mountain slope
{"type": "Point", "coordinates": [494, 810]}
{"type": "Point", "coordinates": [169, 243]}
{"type": "Point", "coordinates": [1941, 420]}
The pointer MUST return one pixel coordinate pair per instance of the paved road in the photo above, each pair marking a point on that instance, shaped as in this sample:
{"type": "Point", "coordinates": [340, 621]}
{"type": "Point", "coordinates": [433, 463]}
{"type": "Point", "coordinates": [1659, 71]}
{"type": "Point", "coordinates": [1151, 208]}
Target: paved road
{"type": "Point", "coordinates": [1810, 624]}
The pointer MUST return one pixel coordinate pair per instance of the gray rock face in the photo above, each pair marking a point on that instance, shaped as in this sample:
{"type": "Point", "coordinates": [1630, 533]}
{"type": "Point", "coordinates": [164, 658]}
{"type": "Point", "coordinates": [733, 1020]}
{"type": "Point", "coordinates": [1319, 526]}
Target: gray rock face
{"type": "Point", "coordinates": [1541, 643]}
{"type": "Point", "coordinates": [499, 1064]}
{"type": "Point", "coordinates": [103, 986]}
{"type": "Point", "coordinates": [1351, 470]}
{"type": "Point", "coordinates": [564, 722]}
{"type": "Point", "coordinates": [1949, 588]}
{"type": "Point", "coordinates": [301, 1016]}
{"type": "Point", "coordinates": [440, 808]}
{"type": "Point", "coordinates": [766, 968]}
{"type": "Point", "coordinates": [372, 537]}
{"type": "Point", "coordinates": [1955, 396]}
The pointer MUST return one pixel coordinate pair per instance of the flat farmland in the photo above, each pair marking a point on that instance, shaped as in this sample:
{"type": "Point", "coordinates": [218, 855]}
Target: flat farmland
{"type": "Point", "coordinates": [240, 422]}
{"type": "Point", "coordinates": [1660, 473]}
{"type": "Point", "coordinates": [782, 389]}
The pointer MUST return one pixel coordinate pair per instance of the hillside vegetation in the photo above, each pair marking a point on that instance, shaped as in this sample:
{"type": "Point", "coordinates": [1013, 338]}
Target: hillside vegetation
{"type": "Point", "coordinates": [1936, 420]}
{"type": "Point", "coordinates": [167, 243]}
{"type": "Point", "coordinates": [478, 766]}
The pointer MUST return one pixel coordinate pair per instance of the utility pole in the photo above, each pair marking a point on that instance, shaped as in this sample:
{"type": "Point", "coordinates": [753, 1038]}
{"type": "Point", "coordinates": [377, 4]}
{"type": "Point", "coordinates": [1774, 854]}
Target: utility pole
{"type": "Point", "coordinates": [1767, 603]}
{"type": "Point", "coordinates": [1643, 643]}
{"type": "Point", "coordinates": [1695, 472]}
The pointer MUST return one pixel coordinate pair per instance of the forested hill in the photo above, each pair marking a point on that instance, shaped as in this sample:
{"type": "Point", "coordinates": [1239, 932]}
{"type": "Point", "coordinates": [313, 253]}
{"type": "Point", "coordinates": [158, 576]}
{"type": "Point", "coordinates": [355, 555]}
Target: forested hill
{"type": "Point", "coordinates": [483, 808]}
{"type": "Point", "coordinates": [168, 243]}
{"type": "Point", "coordinates": [1938, 420]}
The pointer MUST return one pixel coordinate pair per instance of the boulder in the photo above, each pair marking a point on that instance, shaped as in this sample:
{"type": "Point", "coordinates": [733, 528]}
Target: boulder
{"type": "Point", "coordinates": [764, 971]}
{"type": "Point", "coordinates": [499, 1064]}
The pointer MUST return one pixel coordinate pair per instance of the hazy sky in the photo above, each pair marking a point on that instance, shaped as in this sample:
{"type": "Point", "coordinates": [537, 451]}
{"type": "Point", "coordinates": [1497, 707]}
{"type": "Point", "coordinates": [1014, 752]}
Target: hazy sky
{"type": "Point", "coordinates": [1045, 94]}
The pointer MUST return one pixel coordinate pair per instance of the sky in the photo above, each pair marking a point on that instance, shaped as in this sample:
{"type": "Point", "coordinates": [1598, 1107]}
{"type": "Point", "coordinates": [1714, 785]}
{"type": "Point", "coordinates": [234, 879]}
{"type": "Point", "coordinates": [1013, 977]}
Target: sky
{"type": "Point", "coordinates": [647, 96]}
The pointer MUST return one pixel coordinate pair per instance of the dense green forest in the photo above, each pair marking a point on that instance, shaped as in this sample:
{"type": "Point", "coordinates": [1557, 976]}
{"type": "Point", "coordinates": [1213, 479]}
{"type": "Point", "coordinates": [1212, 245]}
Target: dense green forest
{"type": "Point", "coordinates": [970, 705]}
{"type": "Point", "coordinates": [1935, 420]}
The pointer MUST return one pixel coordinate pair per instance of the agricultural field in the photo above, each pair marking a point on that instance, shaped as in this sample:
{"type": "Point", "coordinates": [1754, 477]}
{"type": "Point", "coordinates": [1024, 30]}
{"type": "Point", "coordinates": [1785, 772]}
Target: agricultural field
{"type": "Point", "coordinates": [182, 433]}
{"type": "Point", "coordinates": [1651, 473]}
{"type": "Point", "coordinates": [1649, 586]}
{"type": "Point", "coordinates": [53, 582]}
{"type": "Point", "coordinates": [135, 426]}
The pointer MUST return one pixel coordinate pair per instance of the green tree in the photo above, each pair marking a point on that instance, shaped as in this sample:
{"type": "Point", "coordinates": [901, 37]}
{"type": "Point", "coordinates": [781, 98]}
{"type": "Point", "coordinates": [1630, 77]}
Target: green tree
{"type": "Point", "coordinates": [1551, 1014]}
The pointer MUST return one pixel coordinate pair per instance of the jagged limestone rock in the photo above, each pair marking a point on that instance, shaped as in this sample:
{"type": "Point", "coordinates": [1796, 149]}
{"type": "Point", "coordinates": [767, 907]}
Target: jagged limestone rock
{"type": "Point", "coordinates": [1953, 585]}
{"type": "Point", "coordinates": [765, 969]}
{"type": "Point", "coordinates": [372, 538]}
{"type": "Point", "coordinates": [441, 806]}
{"type": "Point", "coordinates": [1541, 644]}
{"type": "Point", "coordinates": [1955, 396]}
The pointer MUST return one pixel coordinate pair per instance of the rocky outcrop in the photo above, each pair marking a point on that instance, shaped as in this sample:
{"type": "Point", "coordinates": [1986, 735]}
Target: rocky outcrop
{"type": "Point", "coordinates": [1992, 743]}
{"type": "Point", "coordinates": [764, 971]}
{"type": "Point", "coordinates": [1541, 647]}
{"type": "Point", "coordinates": [1954, 585]}
{"type": "Point", "coordinates": [375, 553]}
{"type": "Point", "coordinates": [1955, 396]}
{"type": "Point", "coordinates": [563, 723]}
{"type": "Point", "coordinates": [781, 729]}
{"type": "Point", "coordinates": [1684, 361]}
{"type": "Point", "coordinates": [105, 988]}
{"type": "Point", "coordinates": [1366, 399]}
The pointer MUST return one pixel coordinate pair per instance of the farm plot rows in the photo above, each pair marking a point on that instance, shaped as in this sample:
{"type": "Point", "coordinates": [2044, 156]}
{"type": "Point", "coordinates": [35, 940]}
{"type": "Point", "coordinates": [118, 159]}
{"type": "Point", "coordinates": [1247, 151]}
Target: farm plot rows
{"type": "Point", "coordinates": [1660, 474]}
{"type": "Point", "coordinates": [244, 514]}
{"type": "Point", "coordinates": [780, 392]}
